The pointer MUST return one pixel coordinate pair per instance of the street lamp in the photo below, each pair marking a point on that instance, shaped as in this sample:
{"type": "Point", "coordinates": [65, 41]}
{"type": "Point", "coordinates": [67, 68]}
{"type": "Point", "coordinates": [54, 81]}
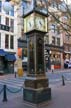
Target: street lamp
{"type": "Point", "coordinates": [8, 4]}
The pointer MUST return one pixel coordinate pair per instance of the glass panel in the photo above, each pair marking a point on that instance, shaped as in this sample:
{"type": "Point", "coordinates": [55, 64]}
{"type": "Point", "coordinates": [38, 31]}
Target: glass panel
{"type": "Point", "coordinates": [53, 40]}
{"type": "Point", "coordinates": [58, 41]}
{"type": "Point", "coordinates": [12, 25]}
{"type": "Point", "coordinates": [41, 6]}
{"type": "Point", "coordinates": [7, 21]}
{"type": "Point", "coordinates": [11, 42]}
{"type": "Point", "coordinates": [6, 41]}
{"type": "Point", "coordinates": [27, 6]}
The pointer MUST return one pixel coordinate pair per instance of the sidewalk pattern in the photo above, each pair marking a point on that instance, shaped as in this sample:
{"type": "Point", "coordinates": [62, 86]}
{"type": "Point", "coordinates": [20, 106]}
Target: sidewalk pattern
{"type": "Point", "coordinates": [61, 95]}
{"type": "Point", "coordinates": [13, 82]}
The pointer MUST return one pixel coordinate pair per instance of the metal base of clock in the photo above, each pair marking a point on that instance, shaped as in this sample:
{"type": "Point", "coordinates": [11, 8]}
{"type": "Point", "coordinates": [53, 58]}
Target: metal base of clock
{"type": "Point", "coordinates": [36, 90]}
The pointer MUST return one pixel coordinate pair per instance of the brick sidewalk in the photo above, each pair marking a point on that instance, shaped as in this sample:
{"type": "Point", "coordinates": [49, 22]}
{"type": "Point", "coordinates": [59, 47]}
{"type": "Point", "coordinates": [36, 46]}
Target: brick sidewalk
{"type": "Point", "coordinates": [60, 70]}
{"type": "Point", "coordinates": [9, 76]}
{"type": "Point", "coordinates": [13, 75]}
{"type": "Point", "coordinates": [6, 76]}
{"type": "Point", "coordinates": [61, 98]}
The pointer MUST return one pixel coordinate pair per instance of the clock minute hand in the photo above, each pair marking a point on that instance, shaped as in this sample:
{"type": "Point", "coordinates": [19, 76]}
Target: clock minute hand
{"type": "Point", "coordinates": [30, 24]}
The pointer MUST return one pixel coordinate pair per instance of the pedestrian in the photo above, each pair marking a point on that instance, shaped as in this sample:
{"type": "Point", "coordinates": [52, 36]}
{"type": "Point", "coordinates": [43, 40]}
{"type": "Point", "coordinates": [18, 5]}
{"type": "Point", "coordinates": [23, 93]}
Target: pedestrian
{"type": "Point", "coordinates": [52, 68]}
{"type": "Point", "coordinates": [52, 71]}
{"type": "Point", "coordinates": [15, 70]}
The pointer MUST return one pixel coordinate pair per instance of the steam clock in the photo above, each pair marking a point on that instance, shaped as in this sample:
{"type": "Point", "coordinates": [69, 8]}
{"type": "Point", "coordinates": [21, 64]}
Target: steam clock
{"type": "Point", "coordinates": [36, 86]}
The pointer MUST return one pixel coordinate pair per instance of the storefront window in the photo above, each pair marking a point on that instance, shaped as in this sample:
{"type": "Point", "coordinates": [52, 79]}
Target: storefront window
{"type": "Point", "coordinates": [55, 58]}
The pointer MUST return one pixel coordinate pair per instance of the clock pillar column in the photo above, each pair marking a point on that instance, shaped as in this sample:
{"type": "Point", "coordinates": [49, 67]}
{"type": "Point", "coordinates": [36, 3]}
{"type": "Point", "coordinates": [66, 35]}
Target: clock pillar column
{"type": "Point", "coordinates": [36, 86]}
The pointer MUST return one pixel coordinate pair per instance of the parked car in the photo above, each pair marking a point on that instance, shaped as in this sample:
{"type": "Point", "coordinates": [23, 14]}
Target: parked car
{"type": "Point", "coordinates": [67, 64]}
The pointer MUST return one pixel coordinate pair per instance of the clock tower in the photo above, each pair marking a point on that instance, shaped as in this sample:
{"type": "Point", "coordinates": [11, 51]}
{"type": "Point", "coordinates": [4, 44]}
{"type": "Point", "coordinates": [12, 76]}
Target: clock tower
{"type": "Point", "coordinates": [36, 86]}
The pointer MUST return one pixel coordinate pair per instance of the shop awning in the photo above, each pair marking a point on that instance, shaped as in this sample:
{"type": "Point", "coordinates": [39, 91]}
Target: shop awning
{"type": "Point", "coordinates": [2, 52]}
{"type": "Point", "coordinates": [10, 57]}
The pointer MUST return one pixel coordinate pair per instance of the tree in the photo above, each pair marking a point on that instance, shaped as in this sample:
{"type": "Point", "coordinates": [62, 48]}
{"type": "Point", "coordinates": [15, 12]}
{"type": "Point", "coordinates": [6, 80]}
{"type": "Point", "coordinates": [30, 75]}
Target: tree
{"type": "Point", "coordinates": [61, 9]}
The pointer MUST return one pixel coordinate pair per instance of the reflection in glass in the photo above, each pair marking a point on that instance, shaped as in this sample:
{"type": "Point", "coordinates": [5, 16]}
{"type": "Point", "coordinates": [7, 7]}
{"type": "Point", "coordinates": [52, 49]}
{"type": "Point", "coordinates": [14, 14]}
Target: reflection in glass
{"type": "Point", "coordinates": [41, 5]}
{"type": "Point", "coordinates": [28, 6]}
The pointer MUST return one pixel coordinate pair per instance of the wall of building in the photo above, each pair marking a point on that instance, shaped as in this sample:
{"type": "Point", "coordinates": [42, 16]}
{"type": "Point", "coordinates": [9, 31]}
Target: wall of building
{"type": "Point", "coordinates": [3, 32]}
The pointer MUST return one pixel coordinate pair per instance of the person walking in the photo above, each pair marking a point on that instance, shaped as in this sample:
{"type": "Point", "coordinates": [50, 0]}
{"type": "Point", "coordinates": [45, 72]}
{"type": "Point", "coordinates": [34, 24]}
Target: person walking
{"type": "Point", "coordinates": [15, 70]}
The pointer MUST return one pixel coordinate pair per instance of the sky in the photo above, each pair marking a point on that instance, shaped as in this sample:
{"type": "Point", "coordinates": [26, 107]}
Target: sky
{"type": "Point", "coordinates": [69, 1]}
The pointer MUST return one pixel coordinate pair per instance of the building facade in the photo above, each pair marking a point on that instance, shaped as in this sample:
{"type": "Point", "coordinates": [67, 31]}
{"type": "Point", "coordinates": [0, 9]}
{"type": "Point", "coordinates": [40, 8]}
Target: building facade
{"type": "Point", "coordinates": [8, 39]}
{"type": "Point", "coordinates": [54, 44]}
{"type": "Point", "coordinates": [58, 38]}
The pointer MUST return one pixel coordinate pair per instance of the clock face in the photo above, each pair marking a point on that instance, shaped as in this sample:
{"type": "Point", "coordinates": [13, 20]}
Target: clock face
{"type": "Point", "coordinates": [35, 22]}
{"type": "Point", "coordinates": [30, 22]}
{"type": "Point", "coordinates": [41, 23]}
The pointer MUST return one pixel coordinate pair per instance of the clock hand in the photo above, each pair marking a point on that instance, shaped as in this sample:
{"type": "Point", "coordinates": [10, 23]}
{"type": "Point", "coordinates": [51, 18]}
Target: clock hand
{"type": "Point", "coordinates": [40, 22]}
{"type": "Point", "coordinates": [30, 24]}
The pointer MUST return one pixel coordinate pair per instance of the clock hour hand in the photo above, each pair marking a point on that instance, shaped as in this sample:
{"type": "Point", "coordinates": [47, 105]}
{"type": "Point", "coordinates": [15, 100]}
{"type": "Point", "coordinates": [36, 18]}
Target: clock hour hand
{"type": "Point", "coordinates": [40, 23]}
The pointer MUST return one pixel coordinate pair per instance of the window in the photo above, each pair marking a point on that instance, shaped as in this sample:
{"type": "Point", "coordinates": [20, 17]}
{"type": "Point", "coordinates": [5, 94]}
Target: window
{"type": "Point", "coordinates": [63, 7]}
{"type": "Point", "coordinates": [54, 5]}
{"type": "Point", "coordinates": [12, 25]}
{"type": "Point", "coordinates": [7, 21]}
{"type": "Point", "coordinates": [58, 30]}
{"type": "Point", "coordinates": [67, 37]}
{"type": "Point", "coordinates": [53, 40]}
{"type": "Point", "coordinates": [53, 27]}
{"type": "Point", "coordinates": [58, 41]}
{"type": "Point", "coordinates": [11, 41]}
{"type": "Point", "coordinates": [65, 47]}
{"type": "Point", "coordinates": [6, 41]}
